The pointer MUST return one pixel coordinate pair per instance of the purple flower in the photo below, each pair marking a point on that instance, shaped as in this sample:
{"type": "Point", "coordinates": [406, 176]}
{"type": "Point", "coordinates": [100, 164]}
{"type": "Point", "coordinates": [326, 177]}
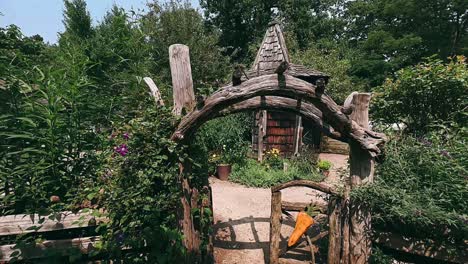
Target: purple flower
{"type": "Point", "coordinates": [120, 238]}
{"type": "Point", "coordinates": [126, 136]}
{"type": "Point", "coordinates": [122, 149]}
{"type": "Point", "coordinates": [426, 142]}
{"type": "Point", "coordinates": [445, 153]}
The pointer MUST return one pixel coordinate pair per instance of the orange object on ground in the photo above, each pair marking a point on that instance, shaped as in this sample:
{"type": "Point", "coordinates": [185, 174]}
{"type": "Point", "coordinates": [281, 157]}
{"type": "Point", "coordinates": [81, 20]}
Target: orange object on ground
{"type": "Point", "coordinates": [303, 222]}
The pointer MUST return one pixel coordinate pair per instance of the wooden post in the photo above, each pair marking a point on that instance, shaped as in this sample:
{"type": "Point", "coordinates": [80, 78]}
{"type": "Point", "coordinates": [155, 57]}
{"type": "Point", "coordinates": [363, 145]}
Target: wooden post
{"type": "Point", "coordinates": [297, 135]}
{"type": "Point", "coordinates": [154, 91]}
{"type": "Point", "coordinates": [275, 227]}
{"type": "Point", "coordinates": [361, 171]}
{"type": "Point", "coordinates": [184, 98]}
{"type": "Point", "coordinates": [182, 84]}
{"type": "Point", "coordinates": [262, 127]}
{"type": "Point", "coordinates": [335, 233]}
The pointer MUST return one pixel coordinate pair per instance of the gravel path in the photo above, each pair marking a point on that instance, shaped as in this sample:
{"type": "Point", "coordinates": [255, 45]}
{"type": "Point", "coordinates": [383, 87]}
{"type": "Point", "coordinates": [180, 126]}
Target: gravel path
{"type": "Point", "coordinates": [242, 219]}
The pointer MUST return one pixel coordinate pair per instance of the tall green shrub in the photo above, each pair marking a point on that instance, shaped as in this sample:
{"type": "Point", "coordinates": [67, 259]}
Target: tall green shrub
{"type": "Point", "coordinates": [424, 94]}
{"type": "Point", "coordinates": [421, 187]}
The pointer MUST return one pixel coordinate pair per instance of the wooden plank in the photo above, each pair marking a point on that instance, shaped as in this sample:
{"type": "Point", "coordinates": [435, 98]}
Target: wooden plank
{"type": "Point", "coordinates": [19, 224]}
{"type": "Point", "coordinates": [297, 207]}
{"type": "Point", "coordinates": [283, 139]}
{"type": "Point", "coordinates": [182, 84]}
{"type": "Point", "coordinates": [278, 131]}
{"type": "Point", "coordinates": [84, 245]}
{"type": "Point", "coordinates": [275, 227]}
{"type": "Point", "coordinates": [329, 145]}
{"type": "Point", "coordinates": [154, 91]}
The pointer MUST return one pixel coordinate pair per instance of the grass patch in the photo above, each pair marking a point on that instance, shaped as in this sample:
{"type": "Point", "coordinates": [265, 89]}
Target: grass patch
{"type": "Point", "coordinates": [255, 174]}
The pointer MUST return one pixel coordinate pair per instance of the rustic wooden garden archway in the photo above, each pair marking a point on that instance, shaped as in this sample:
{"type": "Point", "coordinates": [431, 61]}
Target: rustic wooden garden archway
{"type": "Point", "coordinates": [277, 85]}
{"type": "Point", "coordinates": [277, 92]}
{"type": "Point", "coordinates": [318, 107]}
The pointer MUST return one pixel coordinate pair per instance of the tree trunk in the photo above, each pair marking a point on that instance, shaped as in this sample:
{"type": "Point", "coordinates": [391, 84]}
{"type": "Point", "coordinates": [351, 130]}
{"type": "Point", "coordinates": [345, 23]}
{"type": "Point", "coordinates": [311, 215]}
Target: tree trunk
{"type": "Point", "coordinates": [361, 172]}
{"type": "Point", "coordinates": [184, 98]}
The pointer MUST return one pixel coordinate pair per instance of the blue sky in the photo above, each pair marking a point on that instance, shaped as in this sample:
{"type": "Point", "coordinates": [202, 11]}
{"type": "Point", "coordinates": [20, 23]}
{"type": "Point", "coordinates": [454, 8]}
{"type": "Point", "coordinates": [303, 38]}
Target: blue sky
{"type": "Point", "coordinates": [44, 17]}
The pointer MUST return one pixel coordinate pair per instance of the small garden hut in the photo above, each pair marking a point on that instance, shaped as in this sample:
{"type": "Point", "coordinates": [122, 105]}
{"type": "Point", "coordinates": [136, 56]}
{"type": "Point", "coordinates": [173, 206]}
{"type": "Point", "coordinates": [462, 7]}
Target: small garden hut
{"type": "Point", "coordinates": [273, 129]}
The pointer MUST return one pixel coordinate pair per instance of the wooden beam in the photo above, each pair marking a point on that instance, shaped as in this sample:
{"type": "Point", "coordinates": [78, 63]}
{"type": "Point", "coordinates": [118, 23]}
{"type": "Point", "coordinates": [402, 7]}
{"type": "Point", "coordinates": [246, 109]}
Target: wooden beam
{"type": "Point", "coordinates": [154, 91]}
{"type": "Point", "coordinates": [305, 183]}
{"type": "Point", "coordinates": [21, 224]}
{"type": "Point", "coordinates": [275, 227]}
{"type": "Point", "coordinates": [290, 206]}
{"type": "Point", "coordinates": [269, 85]}
{"type": "Point", "coordinates": [84, 245]}
{"type": "Point", "coordinates": [182, 84]}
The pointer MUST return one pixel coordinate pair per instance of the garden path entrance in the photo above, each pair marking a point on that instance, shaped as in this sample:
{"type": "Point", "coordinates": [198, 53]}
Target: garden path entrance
{"type": "Point", "coordinates": [242, 218]}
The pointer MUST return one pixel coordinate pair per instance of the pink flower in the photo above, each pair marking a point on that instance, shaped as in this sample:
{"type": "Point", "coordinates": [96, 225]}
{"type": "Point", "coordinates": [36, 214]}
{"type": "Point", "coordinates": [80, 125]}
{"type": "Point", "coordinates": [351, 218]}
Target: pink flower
{"type": "Point", "coordinates": [126, 136]}
{"type": "Point", "coordinates": [122, 149]}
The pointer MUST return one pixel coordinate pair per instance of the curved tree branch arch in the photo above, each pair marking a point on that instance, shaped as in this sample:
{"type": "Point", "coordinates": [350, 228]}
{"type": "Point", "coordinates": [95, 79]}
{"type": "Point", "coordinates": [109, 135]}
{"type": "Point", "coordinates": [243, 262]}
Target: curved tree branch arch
{"type": "Point", "coordinates": [283, 86]}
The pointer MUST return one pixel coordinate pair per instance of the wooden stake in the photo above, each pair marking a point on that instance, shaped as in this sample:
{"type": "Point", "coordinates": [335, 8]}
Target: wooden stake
{"type": "Point", "coordinates": [275, 227]}
{"type": "Point", "coordinates": [182, 84]}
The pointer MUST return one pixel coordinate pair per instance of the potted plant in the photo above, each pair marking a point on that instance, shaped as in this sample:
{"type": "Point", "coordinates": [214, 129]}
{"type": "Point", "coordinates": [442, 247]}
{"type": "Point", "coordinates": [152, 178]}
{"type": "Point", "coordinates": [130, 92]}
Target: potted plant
{"type": "Point", "coordinates": [324, 167]}
{"type": "Point", "coordinates": [223, 164]}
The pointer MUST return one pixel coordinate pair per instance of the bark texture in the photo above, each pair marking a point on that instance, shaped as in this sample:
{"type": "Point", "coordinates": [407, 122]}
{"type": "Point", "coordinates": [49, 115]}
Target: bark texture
{"type": "Point", "coordinates": [275, 227]}
{"type": "Point", "coordinates": [284, 86]}
{"type": "Point", "coordinates": [181, 73]}
{"type": "Point", "coordinates": [361, 172]}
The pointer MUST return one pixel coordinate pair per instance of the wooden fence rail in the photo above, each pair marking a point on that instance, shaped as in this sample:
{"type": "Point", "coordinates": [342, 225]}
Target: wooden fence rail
{"type": "Point", "coordinates": [14, 225]}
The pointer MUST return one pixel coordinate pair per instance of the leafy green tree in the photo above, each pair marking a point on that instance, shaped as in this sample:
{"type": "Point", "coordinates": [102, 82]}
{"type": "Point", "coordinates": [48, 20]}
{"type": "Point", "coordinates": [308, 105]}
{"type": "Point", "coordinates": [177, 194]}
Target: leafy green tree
{"type": "Point", "coordinates": [19, 54]}
{"type": "Point", "coordinates": [177, 22]}
{"type": "Point", "coordinates": [422, 95]}
{"type": "Point", "coordinates": [120, 58]}
{"type": "Point", "coordinates": [333, 60]}
{"type": "Point", "coordinates": [313, 21]}
{"type": "Point", "coordinates": [77, 20]}
{"type": "Point", "coordinates": [240, 22]}
{"type": "Point", "coordinates": [395, 34]}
